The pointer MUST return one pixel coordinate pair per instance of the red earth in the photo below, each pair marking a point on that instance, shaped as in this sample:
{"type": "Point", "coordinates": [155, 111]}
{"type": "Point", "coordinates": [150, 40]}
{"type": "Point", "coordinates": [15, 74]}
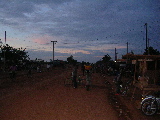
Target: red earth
{"type": "Point", "coordinates": [46, 97]}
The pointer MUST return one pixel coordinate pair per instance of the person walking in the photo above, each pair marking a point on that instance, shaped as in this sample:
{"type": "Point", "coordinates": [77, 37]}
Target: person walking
{"type": "Point", "coordinates": [88, 69]}
{"type": "Point", "coordinates": [48, 67]}
{"type": "Point", "coordinates": [13, 69]}
{"type": "Point", "coordinates": [83, 68]}
{"type": "Point", "coordinates": [118, 83]}
{"type": "Point", "coordinates": [88, 79]}
{"type": "Point", "coordinates": [74, 73]}
{"type": "Point", "coordinates": [29, 72]}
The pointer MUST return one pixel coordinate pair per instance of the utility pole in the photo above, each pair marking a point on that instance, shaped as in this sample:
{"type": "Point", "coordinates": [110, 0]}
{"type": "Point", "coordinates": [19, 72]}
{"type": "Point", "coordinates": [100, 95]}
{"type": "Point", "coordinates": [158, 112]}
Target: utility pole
{"type": "Point", "coordinates": [5, 51]}
{"type": "Point", "coordinates": [5, 37]}
{"type": "Point", "coordinates": [53, 49]}
{"type": "Point", "coordinates": [146, 38]}
{"type": "Point", "coordinates": [148, 45]}
{"type": "Point", "coordinates": [127, 52]}
{"type": "Point", "coordinates": [115, 55]}
{"type": "Point", "coordinates": [127, 47]}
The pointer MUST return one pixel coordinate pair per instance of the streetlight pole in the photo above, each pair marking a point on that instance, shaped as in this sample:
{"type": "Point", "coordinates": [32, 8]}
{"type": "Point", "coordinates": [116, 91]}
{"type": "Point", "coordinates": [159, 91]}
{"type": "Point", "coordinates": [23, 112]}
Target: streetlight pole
{"type": "Point", "coordinates": [116, 55]}
{"type": "Point", "coordinates": [53, 49]}
{"type": "Point", "coordinates": [127, 47]}
{"type": "Point", "coordinates": [146, 39]}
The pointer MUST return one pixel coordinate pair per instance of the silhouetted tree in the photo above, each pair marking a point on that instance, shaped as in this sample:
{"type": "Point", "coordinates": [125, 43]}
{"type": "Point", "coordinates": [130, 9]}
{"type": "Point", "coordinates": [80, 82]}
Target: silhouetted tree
{"type": "Point", "coordinates": [70, 60]}
{"type": "Point", "coordinates": [151, 51]}
{"type": "Point", "coordinates": [12, 54]}
{"type": "Point", "coordinates": [106, 58]}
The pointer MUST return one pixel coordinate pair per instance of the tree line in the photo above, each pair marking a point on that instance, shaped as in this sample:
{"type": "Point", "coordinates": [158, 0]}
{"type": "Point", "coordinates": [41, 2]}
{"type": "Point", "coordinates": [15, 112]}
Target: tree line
{"type": "Point", "coordinates": [11, 55]}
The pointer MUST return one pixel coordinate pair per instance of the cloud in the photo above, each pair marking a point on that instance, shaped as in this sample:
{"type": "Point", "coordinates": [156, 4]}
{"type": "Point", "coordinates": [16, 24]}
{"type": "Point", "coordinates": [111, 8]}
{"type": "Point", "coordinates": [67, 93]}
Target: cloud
{"type": "Point", "coordinates": [72, 51]}
{"type": "Point", "coordinates": [89, 27]}
{"type": "Point", "coordinates": [42, 39]}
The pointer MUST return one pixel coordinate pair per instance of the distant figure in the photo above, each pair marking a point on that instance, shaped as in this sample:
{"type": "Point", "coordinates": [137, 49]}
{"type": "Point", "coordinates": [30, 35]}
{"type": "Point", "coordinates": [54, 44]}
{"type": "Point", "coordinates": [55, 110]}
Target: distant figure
{"type": "Point", "coordinates": [29, 73]}
{"type": "Point", "coordinates": [38, 69]}
{"type": "Point", "coordinates": [48, 67]}
{"type": "Point", "coordinates": [118, 83]}
{"type": "Point", "coordinates": [88, 79]}
{"type": "Point", "coordinates": [13, 69]}
{"type": "Point", "coordinates": [83, 69]}
{"type": "Point", "coordinates": [88, 69]}
{"type": "Point", "coordinates": [75, 77]}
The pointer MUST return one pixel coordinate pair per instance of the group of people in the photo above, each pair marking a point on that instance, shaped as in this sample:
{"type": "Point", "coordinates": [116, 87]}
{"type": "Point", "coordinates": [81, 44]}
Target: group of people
{"type": "Point", "coordinates": [13, 68]}
{"type": "Point", "coordinates": [86, 70]}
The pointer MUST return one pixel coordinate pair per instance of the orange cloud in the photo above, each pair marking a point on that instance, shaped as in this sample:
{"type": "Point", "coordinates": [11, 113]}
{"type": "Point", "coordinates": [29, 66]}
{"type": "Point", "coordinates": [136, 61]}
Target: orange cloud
{"type": "Point", "coordinates": [42, 39]}
{"type": "Point", "coordinates": [71, 51]}
{"type": "Point", "coordinates": [99, 56]}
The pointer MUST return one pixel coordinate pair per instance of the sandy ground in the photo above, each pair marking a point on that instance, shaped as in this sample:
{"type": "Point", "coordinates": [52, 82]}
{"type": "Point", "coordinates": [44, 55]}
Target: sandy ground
{"type": "Point", "coordinates": [45, 97]}
{"type": "Point", "coordinates": [49, 99]}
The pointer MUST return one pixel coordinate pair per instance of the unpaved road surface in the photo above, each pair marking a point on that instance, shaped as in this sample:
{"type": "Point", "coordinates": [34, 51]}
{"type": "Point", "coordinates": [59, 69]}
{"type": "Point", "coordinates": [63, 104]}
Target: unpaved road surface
{"type": "Point", "coordinates": [49, 99]}
{"type": "Point", "coordinates": [45, 97]}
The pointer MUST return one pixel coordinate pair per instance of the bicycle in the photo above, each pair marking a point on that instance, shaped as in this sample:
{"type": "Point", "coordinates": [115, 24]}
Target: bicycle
{"type": "Point", "coordinates": [150, 105]}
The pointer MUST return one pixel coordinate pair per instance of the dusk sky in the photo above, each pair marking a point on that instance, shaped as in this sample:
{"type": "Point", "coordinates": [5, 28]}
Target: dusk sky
{"type": "Point", "coordinates": [86, 29]}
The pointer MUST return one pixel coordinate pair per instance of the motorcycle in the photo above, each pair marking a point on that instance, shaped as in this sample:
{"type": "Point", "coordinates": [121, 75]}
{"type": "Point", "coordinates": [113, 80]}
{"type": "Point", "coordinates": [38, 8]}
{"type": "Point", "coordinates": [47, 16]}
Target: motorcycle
{"type": "Point", "coordinates": [150, 105]}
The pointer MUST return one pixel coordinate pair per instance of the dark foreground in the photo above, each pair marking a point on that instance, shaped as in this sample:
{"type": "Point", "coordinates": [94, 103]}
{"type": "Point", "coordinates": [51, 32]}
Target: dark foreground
{"type": "Point", "coordinates": [45, 97]}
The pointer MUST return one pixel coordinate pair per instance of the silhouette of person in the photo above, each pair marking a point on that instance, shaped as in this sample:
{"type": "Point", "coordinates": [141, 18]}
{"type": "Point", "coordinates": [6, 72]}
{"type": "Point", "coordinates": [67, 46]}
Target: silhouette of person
{"type": "Point", "coordinates": [75, 77]}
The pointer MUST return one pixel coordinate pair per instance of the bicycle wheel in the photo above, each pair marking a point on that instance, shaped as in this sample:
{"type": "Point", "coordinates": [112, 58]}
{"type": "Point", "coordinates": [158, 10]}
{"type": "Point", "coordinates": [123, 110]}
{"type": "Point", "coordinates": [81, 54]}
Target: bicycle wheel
{"type": "Point", "coordinates": [149, 108]}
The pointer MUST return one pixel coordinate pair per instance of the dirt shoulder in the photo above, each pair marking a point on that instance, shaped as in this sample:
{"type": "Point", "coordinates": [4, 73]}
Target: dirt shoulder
{"type": "Point", "coordinates": [125, 105]}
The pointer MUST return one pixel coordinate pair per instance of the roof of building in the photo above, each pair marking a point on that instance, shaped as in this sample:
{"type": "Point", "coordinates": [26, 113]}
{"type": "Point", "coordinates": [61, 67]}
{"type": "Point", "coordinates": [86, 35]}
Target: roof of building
{"type": "Point", "coordinates": [142, 56]}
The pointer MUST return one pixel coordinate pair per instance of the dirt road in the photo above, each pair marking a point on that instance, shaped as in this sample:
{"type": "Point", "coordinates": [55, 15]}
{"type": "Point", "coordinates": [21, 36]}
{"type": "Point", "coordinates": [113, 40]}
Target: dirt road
{"type": "Point", "coordinates": [49, 99]}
